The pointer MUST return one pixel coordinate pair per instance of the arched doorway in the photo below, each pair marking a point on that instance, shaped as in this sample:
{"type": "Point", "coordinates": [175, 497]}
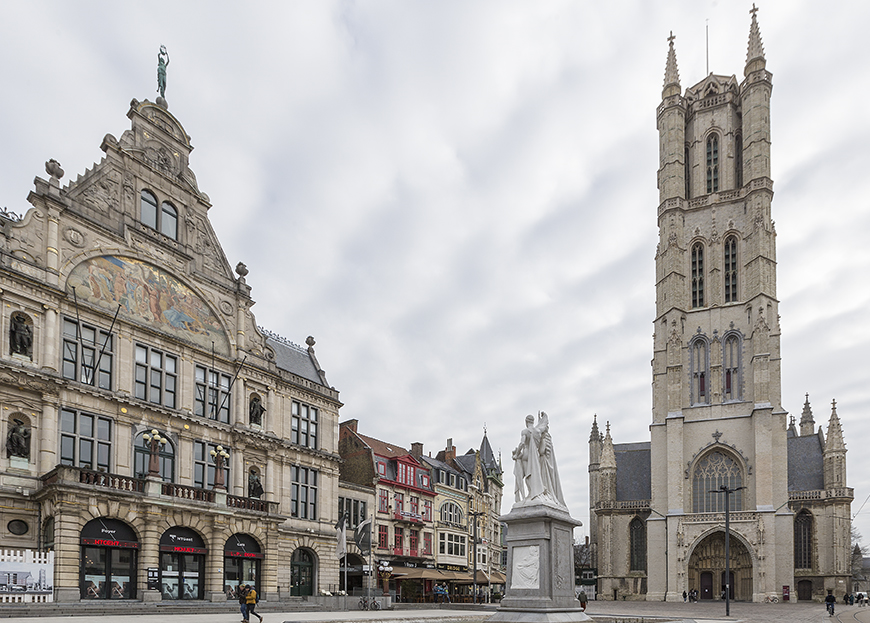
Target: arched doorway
{"type": "Point", "coordinates": [108, 563]}
{"type": "Point", "coordinates": [707, 568]}
{"type": "Point", "coordinates": [302, 572]}
{"type": "Point", "coordinates": [242, 559]}
{"type": "Point", "coordinates": [182, 564]}
{"type": "Point", "coordinates": [355, 571]}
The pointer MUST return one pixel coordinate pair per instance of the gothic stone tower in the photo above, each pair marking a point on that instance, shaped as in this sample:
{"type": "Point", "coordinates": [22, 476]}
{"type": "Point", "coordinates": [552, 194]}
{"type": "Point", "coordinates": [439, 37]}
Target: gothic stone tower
{"type": "Point", "coordinates": [717, 414]}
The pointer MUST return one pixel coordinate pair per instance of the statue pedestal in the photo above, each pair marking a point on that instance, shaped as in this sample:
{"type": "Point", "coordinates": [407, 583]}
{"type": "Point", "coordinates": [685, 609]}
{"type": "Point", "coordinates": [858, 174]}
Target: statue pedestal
{"type": "Point", "coordinates": [540, 569]}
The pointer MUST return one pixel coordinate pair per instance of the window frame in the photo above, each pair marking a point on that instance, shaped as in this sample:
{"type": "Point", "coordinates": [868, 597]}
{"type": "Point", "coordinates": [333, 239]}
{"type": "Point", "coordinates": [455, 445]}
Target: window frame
{"type": "Point", "coordinates": [79, 440]}
{"type": "Point", "coordinates": [637, 545]}
{"type": "Point", "coordinates": [142, 455]}
{"type": "Point", "coordinates": [162, 216]}
{"type": "Point", "coordinates": [203, 478]}
{"type": "Point", "coordinates": [303, 492]}
{"type": "Point", "coordinates": [730, 272]}
{"type": "Point", "coordinates": [303, 424]}
{"type": "Point", "coordinates": [697, 274]}
{"type": "Point", "coordinates": [87, 340]}
{"type": "Point", "coordinates": [212, 388]}
{"type": "Point", "coordinates": [727, 471]}
{"type": "Point", "coordinates": [712, 163]}
{"type": "Point", "coordinates": [732, 367]}
{"type": "Point", "coordinates": [699, 371]}
{"type": "Point", "coordinates": [803, 540]}
{"type": "Point", "coordinates": [146, 387]}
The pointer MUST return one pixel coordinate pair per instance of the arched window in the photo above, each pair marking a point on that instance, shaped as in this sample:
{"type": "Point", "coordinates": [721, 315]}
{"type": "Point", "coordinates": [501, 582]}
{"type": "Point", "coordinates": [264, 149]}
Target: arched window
{"type": "Point", "coordinates": [148, 210]}
{"type": "Point", "coordinates": [738, 161]}
{"type": "Point", "coordinates": [637, 538]}
{"type": "Point", "coordinates": [697, 275]}
{"type": "Point", "coordinates": [731, 350]}
{"type": "Point", "coordinates": [803, 540]}
{"type": "Point", "coordinates": [712, 471]}
{"type": "Point", "coordinates": [169, 220]}
{"type": "Point", "coordinates": [700, 371]}
{"type": "Point", "coordinates": [142, 458]}
{"type": "Point", "coordinates": [731, 269]}
{"type": "Point", "coordinates": [451, 513]}
{"type": "Point", "coordinates": [712, 163]}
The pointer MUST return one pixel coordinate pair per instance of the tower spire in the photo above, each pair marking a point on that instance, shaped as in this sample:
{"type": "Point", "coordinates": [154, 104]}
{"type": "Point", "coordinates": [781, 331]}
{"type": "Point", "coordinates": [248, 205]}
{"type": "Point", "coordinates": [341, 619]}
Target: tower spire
{"type": "Point", "coordinates": [755, 53]}
{"type": "Point", "coordinates": [672, 74]}
{"type": "Point", "coordinates": [835, 431]}
{"type": "Point", "coordinates": [808, 424]}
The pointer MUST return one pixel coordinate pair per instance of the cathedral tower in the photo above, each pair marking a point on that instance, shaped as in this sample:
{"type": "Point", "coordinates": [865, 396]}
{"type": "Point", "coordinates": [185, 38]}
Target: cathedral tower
{"type": "Point", "coordinates": [717, 415]}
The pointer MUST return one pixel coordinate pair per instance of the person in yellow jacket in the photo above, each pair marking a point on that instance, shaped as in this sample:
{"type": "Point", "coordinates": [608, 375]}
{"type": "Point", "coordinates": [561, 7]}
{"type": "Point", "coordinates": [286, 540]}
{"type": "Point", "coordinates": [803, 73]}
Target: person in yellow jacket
{"type": "Point", "coordinates": [251, 600]}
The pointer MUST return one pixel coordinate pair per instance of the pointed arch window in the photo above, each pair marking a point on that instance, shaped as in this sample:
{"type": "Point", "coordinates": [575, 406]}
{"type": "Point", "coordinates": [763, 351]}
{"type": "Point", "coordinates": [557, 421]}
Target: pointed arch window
{"type": "Point", "coordinates": [687, 173]}
{"type": "Point", "coordinates": [738, 161]}
{"type": "Point", "coordinates": [731, 368]}
{"type": "Point", "coordinates": [697, 275]}
{"type": "Point", "coordinates": [700, 371]}
{"type": "Point", "coordinates": [712, 471]}
{"type": "Point", "coordinates": [730, 265]}
{"type": "Point", "coordinates": [803, 540]}
{"type": "Point", "coordinates": [713, 163]}
{"type": "Point", "coordinates": [637, 538]}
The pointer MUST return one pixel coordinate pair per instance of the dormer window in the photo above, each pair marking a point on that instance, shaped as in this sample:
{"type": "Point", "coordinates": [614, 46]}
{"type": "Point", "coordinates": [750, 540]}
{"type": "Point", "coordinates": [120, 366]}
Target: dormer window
{"type": "Point", "coordinates": [165, 220]}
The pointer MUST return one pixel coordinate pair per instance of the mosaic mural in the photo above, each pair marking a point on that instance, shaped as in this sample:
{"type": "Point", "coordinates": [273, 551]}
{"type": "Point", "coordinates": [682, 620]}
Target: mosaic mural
{"type": "Point", "coordinates": [150, 296]}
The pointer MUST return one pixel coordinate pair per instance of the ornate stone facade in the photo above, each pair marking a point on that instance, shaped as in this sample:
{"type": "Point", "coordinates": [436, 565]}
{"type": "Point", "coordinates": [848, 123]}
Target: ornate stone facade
{"type": "Point", "coordinates": [126, 323]}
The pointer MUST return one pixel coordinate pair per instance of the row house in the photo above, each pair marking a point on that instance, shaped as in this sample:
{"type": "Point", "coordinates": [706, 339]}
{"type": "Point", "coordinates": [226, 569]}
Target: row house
{"type": "Point", "coordinates": [403, 530]}
{"type": "Point", "coordinates": [158, 442]}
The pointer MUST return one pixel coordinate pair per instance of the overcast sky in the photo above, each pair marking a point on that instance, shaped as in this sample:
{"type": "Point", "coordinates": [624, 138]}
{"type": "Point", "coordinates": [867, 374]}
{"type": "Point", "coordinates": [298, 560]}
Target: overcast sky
{"type": "Point", "coordinates": [458, 199]}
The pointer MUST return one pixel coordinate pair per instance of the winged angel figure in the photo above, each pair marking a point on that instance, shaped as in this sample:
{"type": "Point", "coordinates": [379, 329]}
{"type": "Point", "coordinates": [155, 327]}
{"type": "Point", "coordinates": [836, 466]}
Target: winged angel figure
{"type": "Point", "coordinates": [535, 472]}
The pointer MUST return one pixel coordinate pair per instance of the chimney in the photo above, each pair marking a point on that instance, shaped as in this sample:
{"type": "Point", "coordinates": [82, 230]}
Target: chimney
{"type": "Point", "coordinates": [417, 450]}
{"type": "Point", "coordinates": [450, 452]}
{"type": "Point", "coordinates": [351, 424]}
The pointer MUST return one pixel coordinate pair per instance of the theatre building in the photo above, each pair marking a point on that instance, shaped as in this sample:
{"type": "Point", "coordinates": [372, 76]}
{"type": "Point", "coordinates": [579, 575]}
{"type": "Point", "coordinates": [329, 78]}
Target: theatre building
{"type": "Point", "coordinates": [158, 441]}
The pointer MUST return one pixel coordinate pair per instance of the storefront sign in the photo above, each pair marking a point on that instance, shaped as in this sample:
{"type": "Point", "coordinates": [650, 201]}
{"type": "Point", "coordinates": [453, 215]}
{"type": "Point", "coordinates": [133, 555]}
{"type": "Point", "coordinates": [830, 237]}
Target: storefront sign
{"type": "Point", "coordinates": [242, 546]}
{"type": "Point", "coordinates": [182, 540]}
{"type": "Point", "coordinates": [105, 532]}
{"type": "Point", "coordinates": [108, 543]}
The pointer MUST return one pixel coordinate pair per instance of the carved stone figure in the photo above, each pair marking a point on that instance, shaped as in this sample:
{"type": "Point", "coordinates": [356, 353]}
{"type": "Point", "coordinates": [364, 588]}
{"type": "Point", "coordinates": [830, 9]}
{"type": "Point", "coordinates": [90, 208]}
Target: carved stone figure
{"type": "Point", "coordinates": [535, 471]}
{"type": "Point", "coordinates": [256, 410]}
{"type": "Point", "coordinates": [20, 336]}
{"type": "Point", "coordinates": [255, 487]}
{"type": "Point", "coordinates": [18, 440]}
{"type": "Point", "coordinates": [162, 64]}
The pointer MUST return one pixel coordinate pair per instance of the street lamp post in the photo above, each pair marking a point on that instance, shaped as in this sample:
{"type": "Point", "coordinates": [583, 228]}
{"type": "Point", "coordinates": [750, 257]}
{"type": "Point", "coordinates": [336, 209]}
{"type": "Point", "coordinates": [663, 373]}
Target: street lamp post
{"type": "Point", "coordinates": [220, 456]}
{"type": "Point", "coordinates": [385, 571]}
{"type": "Point", "coordinates": [727, 491]}
{"type": "Point", "coordinates": [153, 441]}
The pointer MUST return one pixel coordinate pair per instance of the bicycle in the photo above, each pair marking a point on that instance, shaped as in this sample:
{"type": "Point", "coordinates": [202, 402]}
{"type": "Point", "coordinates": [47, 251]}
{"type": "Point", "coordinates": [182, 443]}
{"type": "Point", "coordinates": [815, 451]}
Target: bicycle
{"type": "Point", "coordinates": [369, 603]}
{"type": "Point", "coordinates": [771, 599]}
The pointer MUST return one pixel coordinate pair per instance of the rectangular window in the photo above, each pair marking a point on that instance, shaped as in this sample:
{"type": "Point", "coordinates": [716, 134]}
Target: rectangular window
{"type": "Point", "coordinates": [354, 509]}
{"type": "Point", "coordinates": [383, 501]}
{"type": "Point", "coordinates": [303, 493]}
{"type": "Point", "coordinates": [451, 544]}
{"type": "Point", "coordinates": [382, 469]}
{"type": "Point", "coordinates": [413, 539]}
{"type": "Point", "coordinates": [212, 399]}
{"type": "Point", "coordinates": [84, 349]}
{"type": "Point", "coordinates": [303, 420]}
{"type": "Point", "coordinates": [382, 537]}
{"type": "Point", "coordinates": [399, 502]}
{"type": "Point", "coordinates": [427, 510]}
{"type": "Point", "coordinates": [427, 544]}
{"type": "Point", "coordinates": [424, 480]}
{"type": "Point", "coordinates": [85, 440]}
{"type": "Point", "coordinates": [414, 505]}
{"type": "Point", "coordinates": [203, 464]}
{"type": "Point", "coordinates": [399, 538]}
{"type": "Point", "coordinates": [156, 376]}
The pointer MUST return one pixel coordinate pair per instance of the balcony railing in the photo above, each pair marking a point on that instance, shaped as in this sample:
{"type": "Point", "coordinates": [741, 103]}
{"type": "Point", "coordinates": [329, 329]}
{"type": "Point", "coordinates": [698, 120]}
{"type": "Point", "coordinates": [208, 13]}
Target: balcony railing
{"type": "Point", "coordinates": [111, 481]}
{"type": "Point", "coordinates": [407, 516]}
{"type": "Point", "coordinates": [187, 493]}
{"type": "Point", "coordinates": [64, 475]}
{"type": "Point", "coordinates": [821, 494]}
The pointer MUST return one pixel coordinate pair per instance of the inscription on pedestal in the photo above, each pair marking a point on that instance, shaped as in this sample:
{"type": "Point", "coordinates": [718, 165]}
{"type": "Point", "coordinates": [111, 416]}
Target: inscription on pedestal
{"type": "Point", "coordinates": [526, 570]}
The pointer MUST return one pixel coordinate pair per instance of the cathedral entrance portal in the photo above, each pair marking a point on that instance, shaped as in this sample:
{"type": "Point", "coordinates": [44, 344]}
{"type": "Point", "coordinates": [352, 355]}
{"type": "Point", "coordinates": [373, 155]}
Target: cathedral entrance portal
{"type": "Point", "coordinates": [707, 568]}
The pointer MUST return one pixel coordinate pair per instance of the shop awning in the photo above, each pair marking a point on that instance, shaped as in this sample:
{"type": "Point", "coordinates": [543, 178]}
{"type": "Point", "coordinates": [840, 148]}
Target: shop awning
{"type": "Point", "coordinates": [417, 573]}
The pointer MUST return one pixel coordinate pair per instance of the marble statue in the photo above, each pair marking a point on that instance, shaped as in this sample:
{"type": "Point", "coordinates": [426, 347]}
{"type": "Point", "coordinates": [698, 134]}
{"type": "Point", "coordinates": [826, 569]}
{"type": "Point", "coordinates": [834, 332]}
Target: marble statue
{"type": "Point", "coordinates": [535, 472]}
{"type": "Point", "coordinates": [18, 440]}
{"type": "Point", "coordinates": [255, 487]}
{"type": "Point", "coordinates": [20, 336]}
{"type": "Point", "coordinates": [256, 410]}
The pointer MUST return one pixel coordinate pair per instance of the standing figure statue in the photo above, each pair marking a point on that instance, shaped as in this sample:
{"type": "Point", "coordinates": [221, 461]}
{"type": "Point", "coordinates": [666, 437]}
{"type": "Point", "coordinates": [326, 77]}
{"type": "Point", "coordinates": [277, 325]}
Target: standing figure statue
{"type": "Point", "coordinates": [255, 487]}
{"type": "Point", "coordinates": [18, 440]}
{"type": "Point", "coordinates": [20, 336]}
{"type": "Point", "coordinates": [256, 410]}
{"type": "Point", "coordinates": [162, 64]}
{"type": "Point", "coordinates": [535, 472]}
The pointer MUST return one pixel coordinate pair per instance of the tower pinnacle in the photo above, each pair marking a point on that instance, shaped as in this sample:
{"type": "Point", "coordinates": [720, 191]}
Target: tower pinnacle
{"type": "Point", "coordinates": [835, 431]}
{"type": "Point", "coordinates": [672, 74]}
{"type": "Point", "coordinates": [755, 53]}
{"type": "Point", "coordinates": [808, 424]}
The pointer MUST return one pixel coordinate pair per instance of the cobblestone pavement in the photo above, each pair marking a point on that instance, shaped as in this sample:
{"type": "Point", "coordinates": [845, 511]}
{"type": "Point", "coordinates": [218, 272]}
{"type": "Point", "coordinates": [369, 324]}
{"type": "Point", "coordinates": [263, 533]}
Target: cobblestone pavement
{"type": "Point", "coordinates": [629, 611]}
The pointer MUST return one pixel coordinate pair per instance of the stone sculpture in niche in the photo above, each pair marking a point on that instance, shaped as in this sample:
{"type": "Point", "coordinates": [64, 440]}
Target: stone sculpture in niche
{"type": "Point", "coordinates": [18, 440]}
{"type": "Point", "coordinates": [20, 336]}
{"type": "Point", "coordinates": [256, 410]}
{"type": "Point", "coordinates": [255, 487]}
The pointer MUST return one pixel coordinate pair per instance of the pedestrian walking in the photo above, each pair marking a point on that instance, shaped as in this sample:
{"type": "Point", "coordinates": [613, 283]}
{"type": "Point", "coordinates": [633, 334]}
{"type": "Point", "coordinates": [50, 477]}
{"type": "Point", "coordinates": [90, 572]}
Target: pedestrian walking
{"type": "Point", "coordinates": [685, 596]}
{"type": "Point", "coordinates": [583, 599]}
{"type": "Point", "coordinates": [242, 594]}
{"type": "Point", "coordinates": [251, 599]}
